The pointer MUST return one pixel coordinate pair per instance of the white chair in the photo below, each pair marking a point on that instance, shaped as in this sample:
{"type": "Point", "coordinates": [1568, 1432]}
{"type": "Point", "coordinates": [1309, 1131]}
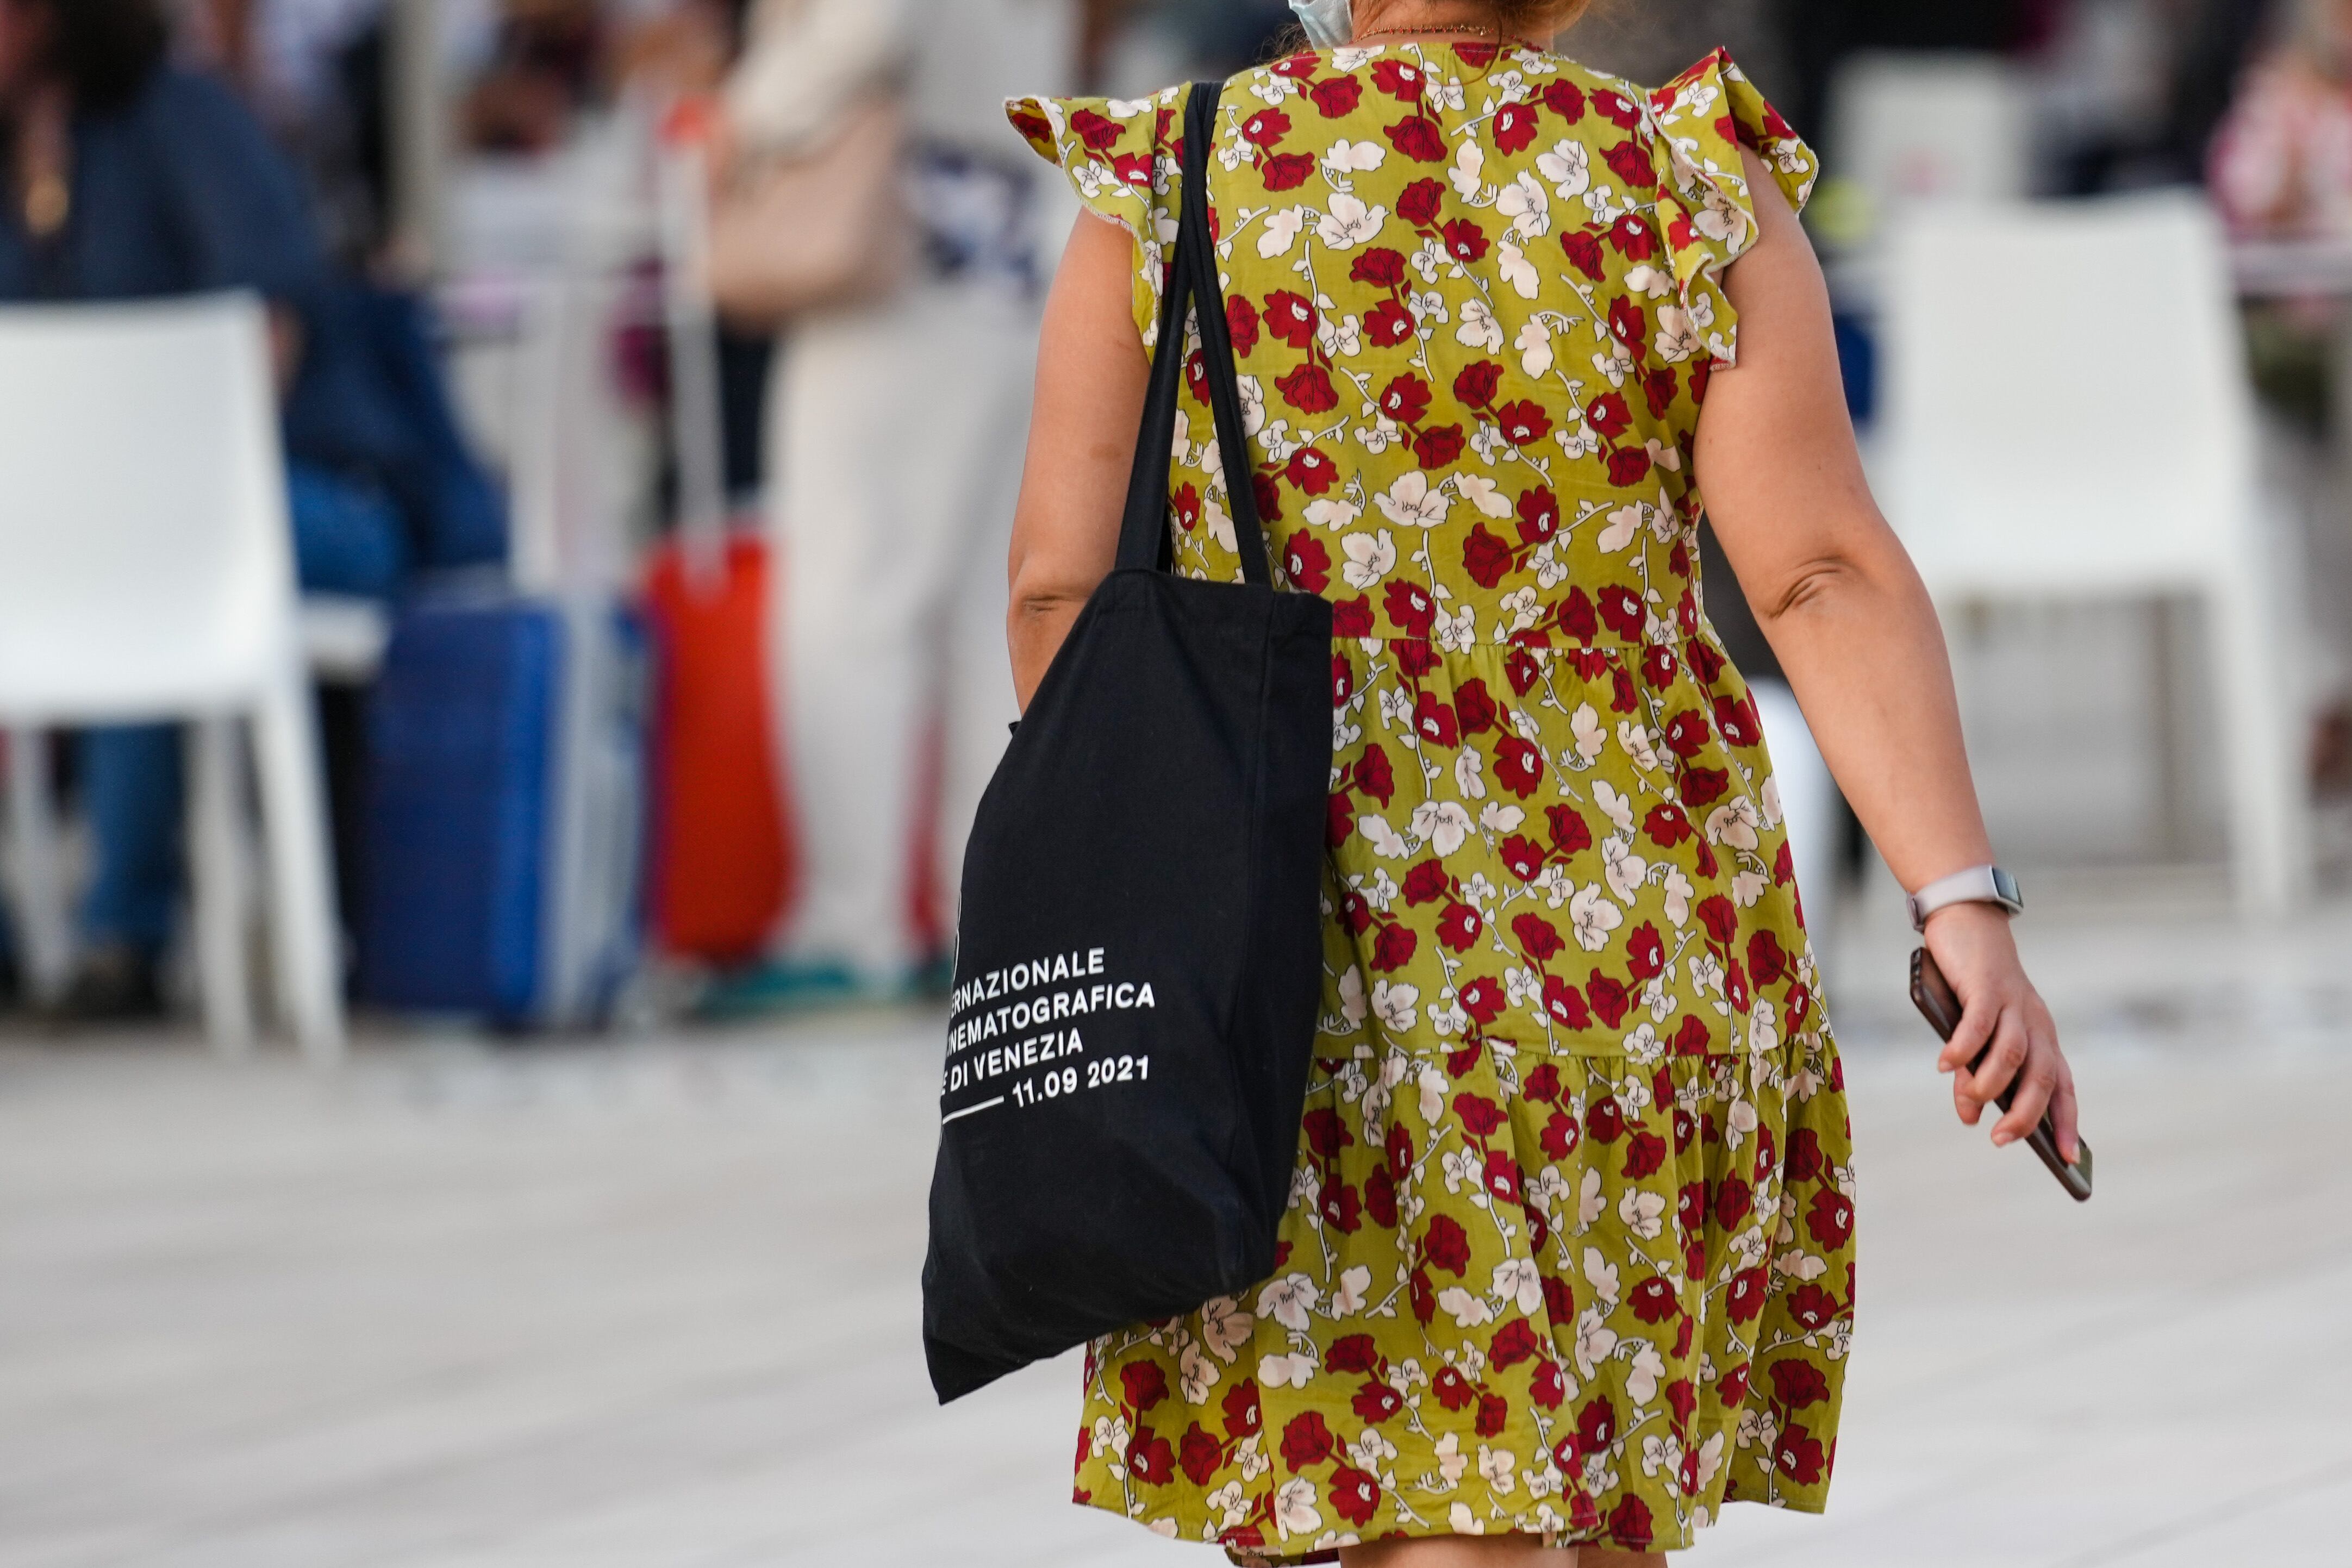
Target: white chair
{"type": "Point", "coordinates": [146, 574]}
{"type": "Point", "coordinates": [2068, 416]}
{"type": "Point", "coordinates": [1908, 129]}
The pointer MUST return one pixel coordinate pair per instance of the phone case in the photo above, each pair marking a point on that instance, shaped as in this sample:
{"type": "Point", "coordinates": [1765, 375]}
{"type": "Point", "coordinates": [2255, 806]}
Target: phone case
{"type": "Point", "coordinates": [1935, 1000]}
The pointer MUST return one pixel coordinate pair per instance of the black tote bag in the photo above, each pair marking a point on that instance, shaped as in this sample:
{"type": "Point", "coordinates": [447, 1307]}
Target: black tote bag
{"type": "Point", "coordinates": [1139, 962]}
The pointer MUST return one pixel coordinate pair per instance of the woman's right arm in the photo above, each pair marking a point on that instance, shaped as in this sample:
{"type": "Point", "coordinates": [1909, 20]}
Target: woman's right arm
{"type": "Point", "coordinates": [1834, 591]}
{"type": "Point", "coordinates": [1092, 379]}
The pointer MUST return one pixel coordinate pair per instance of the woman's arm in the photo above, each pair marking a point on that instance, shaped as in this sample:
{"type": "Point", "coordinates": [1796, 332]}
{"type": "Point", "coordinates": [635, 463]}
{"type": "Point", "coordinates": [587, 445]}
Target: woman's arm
{"type": "Point", "coordinates": [1855, 631]}
{"type": "Point", "coordinates": [1092, 378]}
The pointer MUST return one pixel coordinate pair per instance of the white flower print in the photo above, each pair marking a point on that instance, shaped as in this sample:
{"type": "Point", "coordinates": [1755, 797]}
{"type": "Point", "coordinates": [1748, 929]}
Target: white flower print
{"type": "Point", "coordinates": [1499, 818]}
{"type": "Point", "coordinates": [1763, 1028]}
{"type": "Point", "coordinates": [1590, 735]}
{"type": "Point", "coordinates": [1518, 270]}
{"type": "Point", "coordinates": [1386, 841]}
{"type": "Point", "coordinates": [1468, 1310]}
{"type": "Point", "coordinates": [1635, 739]}
{"type": "Point", "coordinates": [1196, 1375]}
{"type": "Point", "coordinates": [1253, 405]}
{"type": "Point", "coordinates": [1396, 1006]}
{"type": "Point", "coordinates": [1495, 1464]}
{"type": "Point", "coordinates": [1468, 172]}
{"type": "Point", "coordinates": [1568, 167]}
{"type": "Point", "coordinates": [1642, 1212]}
{"type": "Point", "coordinates": [1350, 224]}
{"type": "Point", "coordinates": [1371, 557]}
{"type": "Point", "coordinates": [1747, 887]}
{"type": "Point", "coordinates": [1595, 1339]}
{"type": "Point", "coordinates": [1613, 805]}
{"type": "Point", "coordinates": [1462, 1522]}
{"type": "Point", "coordinates": [1451, 1460]}
{"type": "Point", "coordinates": [1519, 1281]}
{"type": "Point", "coordinates": [1354, 157]}
{"type": "Point", "coordinates": [1413, 503]}
{"type": "Point", "coordinates": [1651, 282]}
{"type": "Point", "coordinates": [1736, 822]}
{"type": "Point", "coordinates": [1432, 1087]}
{"type": "Point", "coordinates": [1590, 1200]}
{"type": "Point", "coordinates": [1710, 1461]}
{"type": "Point", "coordinates": [1535, 349]}
{"type": "Point", "coordinates": [1293, 1508]}
{"type": "Point", "coordinates": [1225, 1327]}
{"type": "Point", "coordinates": [1662, 1452]}
{"type": "Point", "coordinates": [1479, 329]}
{"type": "Point", "coordinates": [1626, 869]}
{"type": "Point", "coordinates": [1444, 824]}
{"type": "Point", "coordinates": [1523, 202]}
{"type": "Point", "coordinates": [1348, 1298]}
{"type": "Point", "coordinates": [1482, 493]}
{"type": "Point", "coordinates": [1595, 917]}
{"type": "Point", "coordinates": [1468, 772]}
{"type": "Point", "coordinates": [1602, 1275]}
{"type": "Point", "coordinates": [1677, 339]}
{"type": "Point", "coordinates": [1641, 1376]}
{"type": "Point", "coordinates": [1334, 513]}
{"type": "Point", "coordinates": [1679, 891]}
{"type": "Point", "coordinates": [1293, 1371]}
{"type": "Point", "coordinates": [1281, 233]}
{"type": "Point", "coordinates": [1623, 524]}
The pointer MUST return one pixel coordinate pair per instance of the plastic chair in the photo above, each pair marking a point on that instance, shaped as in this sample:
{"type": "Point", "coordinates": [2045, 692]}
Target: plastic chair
{"type": "Point", "coordinates": [1912, 127]}
{"type": "Point", "coordinates": [2068, 416]}
{"type": "Point", "coordinates": [146, 574]}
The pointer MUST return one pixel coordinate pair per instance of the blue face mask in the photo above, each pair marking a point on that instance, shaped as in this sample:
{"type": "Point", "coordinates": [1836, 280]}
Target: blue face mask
{"type": "Point", "coordinates": [1328, 22]}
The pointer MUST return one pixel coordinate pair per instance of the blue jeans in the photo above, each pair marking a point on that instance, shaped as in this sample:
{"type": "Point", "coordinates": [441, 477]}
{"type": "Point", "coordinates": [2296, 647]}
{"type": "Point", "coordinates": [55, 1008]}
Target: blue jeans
{"type": "Point", "coordinates": [348, 538]}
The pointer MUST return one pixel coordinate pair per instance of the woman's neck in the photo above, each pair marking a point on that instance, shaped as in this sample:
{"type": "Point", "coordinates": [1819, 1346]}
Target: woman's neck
{"type": "Point", "coordinates": [1426, 18]}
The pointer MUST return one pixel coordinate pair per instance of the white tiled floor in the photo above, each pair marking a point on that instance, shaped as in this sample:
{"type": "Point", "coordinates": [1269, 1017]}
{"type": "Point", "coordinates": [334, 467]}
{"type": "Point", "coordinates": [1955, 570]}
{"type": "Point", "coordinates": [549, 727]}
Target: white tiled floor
{"type": "Point", "coordinates": [655, 1305]}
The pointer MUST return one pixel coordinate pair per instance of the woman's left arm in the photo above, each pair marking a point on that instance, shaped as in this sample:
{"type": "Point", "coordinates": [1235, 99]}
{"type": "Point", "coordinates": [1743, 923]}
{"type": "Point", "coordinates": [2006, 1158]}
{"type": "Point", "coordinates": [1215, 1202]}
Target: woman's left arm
{"type": "Point", "coordinates": [1855, 631]}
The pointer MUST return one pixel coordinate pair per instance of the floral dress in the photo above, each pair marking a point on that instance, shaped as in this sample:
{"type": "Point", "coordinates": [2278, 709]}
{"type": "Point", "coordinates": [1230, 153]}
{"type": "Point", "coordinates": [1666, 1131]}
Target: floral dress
{"type": "Point", "coordinates": [1570, 1249]}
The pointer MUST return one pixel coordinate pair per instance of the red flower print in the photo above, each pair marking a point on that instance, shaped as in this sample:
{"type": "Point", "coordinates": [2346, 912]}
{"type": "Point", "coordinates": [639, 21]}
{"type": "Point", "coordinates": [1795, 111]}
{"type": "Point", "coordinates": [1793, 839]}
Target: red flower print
{"type": "Point", "coordinates": [1519, 766]}
{"type": "Point", "coordinates": [1797, 1383]}
{"type": "Point", "coordinates": [1297, 67]}
{"type": "Point", "coordinates": [1413, 660]}
{"type": "Point", "coordinates": [1438, 448]}
{"type": "Point", "coordinates": [1621, 611]}
{"type": "Point", "coordinates": [1538, 938]}
{"type": "Point", "coordinates": [1312, 470]}
{"type": "Point", "coordinates": [1353, 1352]}
{"type": "Point", "coordinates": [1337, 826]}
{"type": "Point", "coordinates": [1355, 1496]}
{"type": "Point", "coordinates": [1481, 1115]}
{"type": "Point", "coordinates": [1703, 787]}
{"type": "Point", "coordinates": [1433, 722]}
{"type": "Point", "coordinates": [1466, 241]}
{"type": "Point", "coordinates": [1291, 317]}
{"type": "Point", "coordinates": [1351, 617]}
{"type": "Point", "coordinates": [1658, 388]}
{"type": "Point", "coordinates": [1487, 557]}
{"type": "Point", "coordinates": [1566, 99]}
{"type": "Point", "coordinates": [1630, 163]}
{"type": "Point", "coordinates": [1150, 1458]}
{"type": "Point", "coordinates": [1286, 171]}
{"type": "Point", "coordinates": [1144, 1384]}
{"type": "Point", "coordinates": [1307, 1441]}
{"type": "Point", "coordinates": [1813, 1308]}
{"type": "Point", "coordinates": [1341, 1207]}
{"type": "Point", "coordinates": [1645, 951]}
{"type": "Point", "coordinates": [1547, 1388]}
{"type": "Point", "coordinates": [1627, 323]}
{"type": "Point", "coordinates": [1682, 1399]}
{"type": "Point", "coordinates": [1690, 1207]}
{"type": "Point", "coordinates": [1667, 825]}
{"type": "Point", "coordinates": [1326, 1133]}
{"type": "Point", "coordinates": [1633, 240]}
{"type": "Point", "coordinates": [1426, 884]}
{"type": "Point", "coordinates": [1804, 1163]}
{"type": "Point", "coordinates": [1609, 998]}
{"type": "Point", "coordinates": [1452, 1389]}
{"type": "Point", "coordinates": [1737, 719]}
{"type": "Point", "coordinates": [1569, 833]}
{"type": "Point", "coordinates": [1604, 1120]}
{"type": "Point", "coordinates": [1307, 563]}
{"type": "Point", "coordinates": [1336, 97]}
{"type": "Point", "coordinates": [1576, 618]}
{"type": "Point", "coordinates": [1687, 733]}
{"type": "Point", "coordinates": [1515, 128]}
{"type": "Point", "coordinates": [1766, 961]}
{"type": "Point", "coordinates": [1405, 399]}
{"type": "Point", "coordinates": [1133, 169]}
{"type": "Point", "coordinates": [1410, 607]}
{"type": "Point", "coordinates": [1520, 666]}
{"type": "Point", "coordinates": [1399, 81]}
{"type": "Point", "coordinates": [1722, 921]}
{"type": "Point", "coordinates": [1564, 1003]}
{"type": "Point", "coordinates": [1379, 267]}
{"type": "Point", "coordinates": [1100, 135]}
{"type": "Point", "coordinates": [1376, 1402]}
{"type": "Point", "coordinates": [1702, 372]}
{"type": "Point", "coordinates": [1691, 1039]}
{"type": "Point", "coordinates": [1186, 505]}
{"type": "Point", "coordinates": [1309, 390]}
{"type": "Point", "coordinates": [1241, 323]}
{"type": "Point", "coordinates": [1477, 385]}
{"type": "Point", "coordinates": [1374, 775]}
{"type": "Point", "coordinates": [1800, 1455]}
{"type": "Point", "coordinates": [1744, 1303]}
{"type": "Point", "coordinates": [1541, 1085]}
{"type": "Point", "coordinates": [1447, 1245]}
{"type": "Point", "coordinates": [1037, 127]}
{"type": "Point", "coordinates": [1200, 1455]}
{"type": "Point", "coordinates": [1644, 1154]}
{"type": "Point", "coordinates": [1617, 108]}
{"type": "Point", "coordinates": [1420, 201]}
{"type": "Point", "coordinates": [1393, 948]}
{"type": "Point", "coordinates": [1561, 1136]}
{"type": "Point", "coordinates": [1389, 324]}
{"type": "Point", "coordinates": [1241, 1406]}
{"type": "Point", "coordinates": [1483, 999]}
{"type": "Point", "coordinates": [1268, 495]}
{"type": "Point", "coordinates": [1524, 424]}
{"type": "Point", "coordinates": [1266, 128]}
{"type": "Point", "coordinates": [1596, 1425]}
{"type": "Point", "coordinates": [1609, 416]}
{"type": "Point", "coordinates": [1831, 1219]}
{"type": "Point", "coordinates": [1418, 137]}
{"type": "Point", "coordinates": [1732, 1392]}
{"type": "Point", "coordinates": [1584, 253]}
{"type": "Point", "coordinates": [1628, 1522]}
{"type": "Point", "coordinates": [1492, 1413]}
{"type": "Point", "coordinates": [1458, 927]}
{"type": "Point", "coordinates": [1475, 707]}
{"type": "Point", "coordinates": [1653, 1301]}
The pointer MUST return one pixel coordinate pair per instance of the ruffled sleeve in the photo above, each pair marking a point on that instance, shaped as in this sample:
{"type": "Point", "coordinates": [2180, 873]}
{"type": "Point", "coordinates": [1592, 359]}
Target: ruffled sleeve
{"type": "Point", "coordinates": [1704, 118]}
{"type": "Point", "coordinates": [1124, 159]}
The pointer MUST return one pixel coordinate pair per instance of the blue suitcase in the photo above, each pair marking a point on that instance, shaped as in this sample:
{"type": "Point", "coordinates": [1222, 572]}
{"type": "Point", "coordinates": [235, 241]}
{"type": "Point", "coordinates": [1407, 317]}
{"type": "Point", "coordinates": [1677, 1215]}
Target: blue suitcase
{"type": "Point", "coordinates": [504, 818]}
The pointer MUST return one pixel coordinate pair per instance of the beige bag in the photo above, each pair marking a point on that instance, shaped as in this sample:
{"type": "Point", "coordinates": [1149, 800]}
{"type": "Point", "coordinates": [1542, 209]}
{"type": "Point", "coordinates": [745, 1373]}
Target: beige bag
{"type": "Point", "coordinates": [795, 234]}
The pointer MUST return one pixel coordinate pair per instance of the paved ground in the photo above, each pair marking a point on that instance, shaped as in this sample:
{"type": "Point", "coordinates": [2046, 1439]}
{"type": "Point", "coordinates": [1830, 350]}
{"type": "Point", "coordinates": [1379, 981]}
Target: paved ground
{"type": "Point", "coordinates": [654, 1306]}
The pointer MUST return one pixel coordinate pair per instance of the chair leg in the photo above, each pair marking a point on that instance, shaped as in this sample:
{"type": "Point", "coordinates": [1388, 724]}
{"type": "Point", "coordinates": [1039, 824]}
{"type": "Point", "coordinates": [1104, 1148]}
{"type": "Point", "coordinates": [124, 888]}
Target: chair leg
{"type": "Point", "coordinates": [2263, 749]}
{"type": "Point", "coordinates": [217, 852]}
{"type": "Point", "coordinates": [41, 923]}
{"type": "Point", "coordinates": [301, 871]}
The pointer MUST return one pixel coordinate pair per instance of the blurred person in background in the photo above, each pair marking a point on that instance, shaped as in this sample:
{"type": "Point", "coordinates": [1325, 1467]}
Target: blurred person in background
{"type": "Point", "coordinates": [895, 430]}
{"type": "Point", "coordinates": [132, 178]}
{"type": "Point", "coordinates": [2282, 162]}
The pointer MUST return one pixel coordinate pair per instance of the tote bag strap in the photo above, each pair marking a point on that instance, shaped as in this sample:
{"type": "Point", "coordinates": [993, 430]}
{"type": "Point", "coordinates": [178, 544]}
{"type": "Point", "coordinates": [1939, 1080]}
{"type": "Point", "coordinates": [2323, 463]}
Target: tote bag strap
{"type": "Point", "coordinates": [1144, 544]}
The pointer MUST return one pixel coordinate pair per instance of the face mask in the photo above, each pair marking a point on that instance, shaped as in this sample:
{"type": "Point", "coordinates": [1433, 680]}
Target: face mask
{"type": "Point", "coordinates": [1328, 22]}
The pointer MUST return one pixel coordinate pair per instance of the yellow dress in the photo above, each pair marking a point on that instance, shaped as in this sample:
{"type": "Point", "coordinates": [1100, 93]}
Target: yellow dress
{"type": "Point", "coordinates": [1569, 1247]}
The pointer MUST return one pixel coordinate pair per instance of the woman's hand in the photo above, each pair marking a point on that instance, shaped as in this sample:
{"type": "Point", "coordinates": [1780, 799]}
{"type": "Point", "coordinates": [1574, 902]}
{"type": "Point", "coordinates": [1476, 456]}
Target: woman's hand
{"type": "Point", "coordinates": [1971, 943]}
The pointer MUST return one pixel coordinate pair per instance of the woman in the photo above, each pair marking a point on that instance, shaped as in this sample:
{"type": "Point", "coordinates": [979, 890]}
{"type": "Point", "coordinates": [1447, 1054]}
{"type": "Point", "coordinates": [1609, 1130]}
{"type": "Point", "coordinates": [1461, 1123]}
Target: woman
{"type": "Point", "coordinates": [1569, 1257]}
{"type": "Point", "coordinates": [2281, 162]}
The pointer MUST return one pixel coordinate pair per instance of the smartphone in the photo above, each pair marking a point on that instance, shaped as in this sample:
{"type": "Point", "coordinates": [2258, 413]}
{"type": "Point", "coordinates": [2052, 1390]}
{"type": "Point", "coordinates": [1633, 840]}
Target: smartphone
{"type": "Point", "coordinates": [1933, 996]}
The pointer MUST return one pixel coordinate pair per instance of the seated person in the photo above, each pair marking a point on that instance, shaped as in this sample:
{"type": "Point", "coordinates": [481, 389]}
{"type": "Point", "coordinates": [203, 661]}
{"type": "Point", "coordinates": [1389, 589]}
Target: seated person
{"type": "Point", "coordinates": [132, 179]}
{"type": "Point", "coordinates": [2281, 162]}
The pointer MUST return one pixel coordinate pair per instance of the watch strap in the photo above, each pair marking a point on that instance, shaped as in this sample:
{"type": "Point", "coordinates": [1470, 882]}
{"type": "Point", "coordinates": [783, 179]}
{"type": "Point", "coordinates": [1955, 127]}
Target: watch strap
{"type": "Point", "coordinates": [1977, 884]}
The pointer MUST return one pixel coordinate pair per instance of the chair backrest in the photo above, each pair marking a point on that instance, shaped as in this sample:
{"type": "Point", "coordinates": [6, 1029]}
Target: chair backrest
{"type": "Point", "coordinates": [146, 563]}
{"type": "Point", "coordinates": [1925, 128]}
{"type": "Point", "coordinates": [2067, 405]}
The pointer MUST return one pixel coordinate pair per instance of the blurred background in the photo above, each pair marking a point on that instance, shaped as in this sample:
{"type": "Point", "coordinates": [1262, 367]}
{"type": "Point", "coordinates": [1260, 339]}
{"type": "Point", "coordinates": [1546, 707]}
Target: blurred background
{"type": "Point", "coordinates": [635, 390]}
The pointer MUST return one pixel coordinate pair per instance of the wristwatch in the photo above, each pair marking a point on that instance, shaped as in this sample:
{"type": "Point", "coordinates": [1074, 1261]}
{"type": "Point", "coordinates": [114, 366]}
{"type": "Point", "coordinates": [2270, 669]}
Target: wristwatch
{"type": "Point", "coordinates": [1977, 884]}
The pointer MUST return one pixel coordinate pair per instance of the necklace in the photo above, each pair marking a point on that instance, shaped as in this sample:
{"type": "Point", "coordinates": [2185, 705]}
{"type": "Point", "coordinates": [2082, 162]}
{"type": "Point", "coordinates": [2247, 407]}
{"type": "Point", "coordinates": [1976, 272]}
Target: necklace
{"type": "Point", "coordinates": [1451, 29]}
